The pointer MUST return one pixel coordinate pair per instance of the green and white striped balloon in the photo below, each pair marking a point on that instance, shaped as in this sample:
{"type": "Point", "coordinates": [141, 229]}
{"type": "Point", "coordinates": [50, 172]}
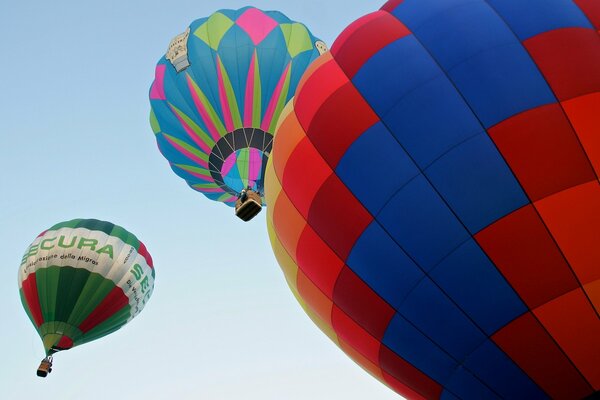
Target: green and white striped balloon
{"type": "Point", "coordinates": [83, 279]}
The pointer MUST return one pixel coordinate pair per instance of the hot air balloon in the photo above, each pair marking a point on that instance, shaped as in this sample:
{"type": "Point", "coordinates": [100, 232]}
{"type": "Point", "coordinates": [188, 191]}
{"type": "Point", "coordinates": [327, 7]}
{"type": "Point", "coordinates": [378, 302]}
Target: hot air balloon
{"type": "Point", "coordinates": [81, 280]}
{"type": "Point", "coordinates": [434, 199]}
{"type": "Point", "coordinates": [217, 96]}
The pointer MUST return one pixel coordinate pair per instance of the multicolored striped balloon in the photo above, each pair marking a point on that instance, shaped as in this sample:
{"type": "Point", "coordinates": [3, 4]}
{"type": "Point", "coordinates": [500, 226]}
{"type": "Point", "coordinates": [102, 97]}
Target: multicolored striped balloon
{"type": "Point", "coordinates": [434, 198]}
{"type": "Point", "coordinates": [83, 279]}
{"type": "Point", "coordinates": [218, 93]}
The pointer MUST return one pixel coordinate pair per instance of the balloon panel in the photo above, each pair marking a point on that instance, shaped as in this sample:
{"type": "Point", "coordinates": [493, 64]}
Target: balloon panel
{"type": "Point", "coordinates": [447, 239]}
{"type": "Point", "coordinates": [220, 90]}
{"type": "Point", "coordinates": [83, 279]}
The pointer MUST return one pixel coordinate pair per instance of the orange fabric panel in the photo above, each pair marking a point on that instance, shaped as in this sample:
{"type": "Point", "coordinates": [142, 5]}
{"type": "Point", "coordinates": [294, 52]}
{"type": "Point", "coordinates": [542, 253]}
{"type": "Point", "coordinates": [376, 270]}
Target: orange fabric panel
{"type": "Point", "coordinates": [573, 218]}
{"type": "Point", "coordinates": [314, 297]}
{"type": "Point", "coordinates": [575, 326]}
{"type": "Point", "coordinates": [288, 223]}
{"type": "Point", "coordinates": [287, 264]}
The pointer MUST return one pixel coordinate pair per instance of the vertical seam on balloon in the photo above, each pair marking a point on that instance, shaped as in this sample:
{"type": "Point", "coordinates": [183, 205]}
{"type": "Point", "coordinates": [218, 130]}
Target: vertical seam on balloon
{"type": "Point", "coordinates": [89, 301]}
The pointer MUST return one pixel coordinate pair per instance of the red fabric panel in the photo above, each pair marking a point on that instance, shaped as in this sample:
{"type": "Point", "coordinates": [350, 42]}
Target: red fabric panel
{"type": "Point", "coordinates": [524, 252]}
{"type": "Point", "coordinates": [143, 251]}
{"type": "Point", "coordinates": [304, 173]}
{"type": "Point", "coordinates": [351, 29]}
{"type": "Point", "coordinates": [543, 151]}
{"type": "Point", "coordinates": [64, 343]}
{"type": "Point", "coordinates": [391, 5]}
{"type": "Point", "coordinates": [337, 216]}
{"type": "Point", "coordinates": [530, 346]}
{"type": "Point", "coordinates": [401, 388]}
{"type": "Point", "coordinates": [112, 303]}
{"type": "Point", "coordinates": [361, 360]}
{"type": "Point", "coordinates": [362, 304]}
{"type": "Point", "coordinates": [318, 261]}
{"type": "Point", "coordinates": [33, 300]}
{"type": "Point", "coordinates": [409, 375]}
{"type": "Point", "coordinates": [316, 88]}
{"type": "Point", "coordinates": [569, 58]}
{"type": "Point", "coordinates": [573, 217]}
{"type": "Point", "coordinates": [353, 334]}
{"type": "Point", "coordinates": [584, 113]}
{"type": "Point", "coordinates": [342, 118]}
{"type": "Point", "coordinates": [591, 8]}
{"type": "Point", "coordinates": [365, 37]}
{"type": "Point", "coordinates": [574, 324]}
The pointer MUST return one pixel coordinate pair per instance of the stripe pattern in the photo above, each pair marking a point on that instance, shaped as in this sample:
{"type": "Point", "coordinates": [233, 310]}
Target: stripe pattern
{"type": "Point", "coordinates": [214, 121]}
{"type": "Point", "coordinates": [448, 239]}
{"type": "Point", "coordinates": [83, 279]}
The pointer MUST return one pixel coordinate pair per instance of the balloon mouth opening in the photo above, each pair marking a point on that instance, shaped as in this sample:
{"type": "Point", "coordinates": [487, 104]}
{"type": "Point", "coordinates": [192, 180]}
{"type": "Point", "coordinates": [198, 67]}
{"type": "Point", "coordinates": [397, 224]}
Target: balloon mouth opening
{"type": "Point", "coordinates": [56, 342]}
{"type": "Point", "coordinates": [249, 147]}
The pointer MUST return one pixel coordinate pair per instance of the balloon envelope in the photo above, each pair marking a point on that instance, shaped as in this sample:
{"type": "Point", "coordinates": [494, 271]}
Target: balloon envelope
{"type": "Point", "coordinates": [218, 93]}
{"type": "Point", "coordinates": [448, 237]}
{"type": "Point", "coordinates": [83, 279]}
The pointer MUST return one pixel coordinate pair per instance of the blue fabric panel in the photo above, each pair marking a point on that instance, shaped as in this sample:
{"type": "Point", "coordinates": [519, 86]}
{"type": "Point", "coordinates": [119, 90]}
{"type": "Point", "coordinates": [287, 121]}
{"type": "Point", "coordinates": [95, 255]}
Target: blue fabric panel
{"type": "Point", "coordinates": [430, 120]}
{"type": "Point", "coordinates": [493, 366]}
{"type": "Point", "coordinates": [378, 261]}
{"type": "Point", "coordinates": [467, 386]}
{"type": "Point", "coordinates": [203, 71]}
{"type": "Point", "coordinates": [532, 17]}
{"type": "Point", "coordinates": [414, 13]}
{"type": "Point", "coordinates": [446, 395]}
{"type": "Point", "coordinates": [501, 82]}
{"type": "Point", "coordinates": [473, 282]}
{"type": "Point", "coordinates": [475, 181]}
{"type": "Point", "coordinates": [422, 224]}
{"type": "Point", "coordinates": [434, 314]}
{"type": "Point", "coordinates": [394, 71]}
{"type": "Point", "coordinates": [460, 32]}
{"type": "Point", "coordinates": [272, 57]}
{"type": "Point", "coordinates": [410, 344]}
{"type": "Point", "coordinates": [235, 51]}
{"type": "Point", "coordinates": [385, 167]}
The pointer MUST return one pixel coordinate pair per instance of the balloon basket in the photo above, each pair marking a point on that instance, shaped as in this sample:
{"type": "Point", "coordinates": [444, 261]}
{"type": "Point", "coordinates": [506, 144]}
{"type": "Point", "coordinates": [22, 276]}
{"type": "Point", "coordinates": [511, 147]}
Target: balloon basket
{"type": "Point", "coordinates": [45, 367]}
{"type": "Point", "coordinates": [248, 206]}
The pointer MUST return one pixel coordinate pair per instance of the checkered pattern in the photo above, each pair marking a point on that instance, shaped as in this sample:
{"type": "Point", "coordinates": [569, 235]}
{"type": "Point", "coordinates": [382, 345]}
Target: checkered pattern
{"type": "Point", "coordinates": [435, 202]}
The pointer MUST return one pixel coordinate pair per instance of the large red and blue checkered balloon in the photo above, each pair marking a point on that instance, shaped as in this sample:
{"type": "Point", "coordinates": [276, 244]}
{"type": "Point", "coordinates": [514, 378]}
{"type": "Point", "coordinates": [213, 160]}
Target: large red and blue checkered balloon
{"type": "Point", "coordinates": [435, 202]}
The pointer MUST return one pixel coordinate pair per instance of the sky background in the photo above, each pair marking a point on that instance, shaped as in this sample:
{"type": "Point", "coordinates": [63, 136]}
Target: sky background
{"type": "Point", "coordinates": [75, 142]}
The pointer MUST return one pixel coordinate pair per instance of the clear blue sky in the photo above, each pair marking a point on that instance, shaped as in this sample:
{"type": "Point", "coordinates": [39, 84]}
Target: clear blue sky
{"type": "Point", "coordinates": [75, 142]}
